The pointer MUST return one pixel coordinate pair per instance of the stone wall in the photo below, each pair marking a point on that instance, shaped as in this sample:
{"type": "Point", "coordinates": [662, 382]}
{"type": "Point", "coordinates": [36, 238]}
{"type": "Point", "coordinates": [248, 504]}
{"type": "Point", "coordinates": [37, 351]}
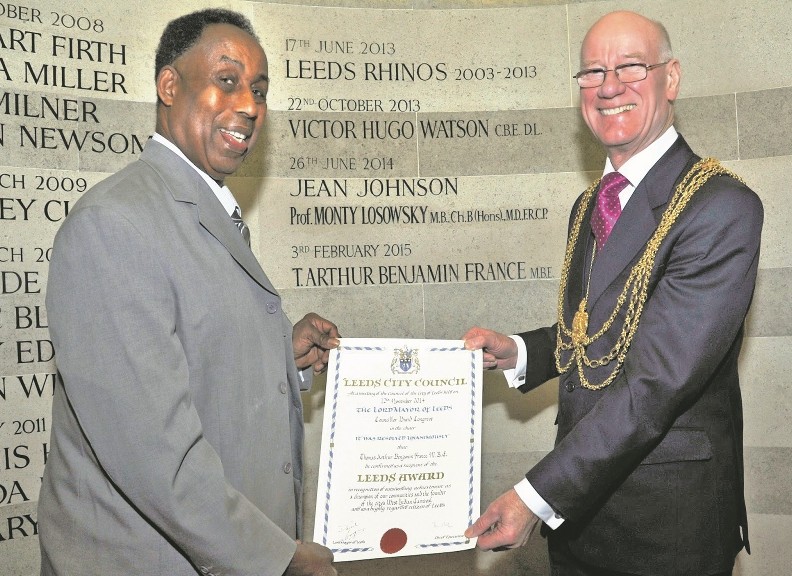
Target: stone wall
{"type": "Point", "coordinates": [414, 179]}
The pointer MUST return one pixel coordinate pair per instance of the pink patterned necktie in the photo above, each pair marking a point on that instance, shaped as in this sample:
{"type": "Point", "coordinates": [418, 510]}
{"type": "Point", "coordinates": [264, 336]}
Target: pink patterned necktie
{"type": "Point", "coordinates": [608, 207]}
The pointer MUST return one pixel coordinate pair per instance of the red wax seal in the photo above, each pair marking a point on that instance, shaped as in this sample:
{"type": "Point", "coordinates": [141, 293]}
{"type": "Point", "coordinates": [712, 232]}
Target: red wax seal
{"type": "Point", "coordinates": [393, 540]}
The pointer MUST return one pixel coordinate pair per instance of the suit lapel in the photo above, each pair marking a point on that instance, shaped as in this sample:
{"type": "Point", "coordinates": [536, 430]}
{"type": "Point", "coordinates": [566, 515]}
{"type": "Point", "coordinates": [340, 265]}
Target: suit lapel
{"type": "Point", "coordinates": [186, 185]}
{"type": "Point", "coordinates": [639, 219]}
{"type": "Point", "coordinates": [214, 219]}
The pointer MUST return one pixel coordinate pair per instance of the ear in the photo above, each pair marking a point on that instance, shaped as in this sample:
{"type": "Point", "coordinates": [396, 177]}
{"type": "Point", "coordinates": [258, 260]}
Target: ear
{"type": "Point", "coordinates": [167, 79]}
{"type": "Point", "coordinates": [673, 80]}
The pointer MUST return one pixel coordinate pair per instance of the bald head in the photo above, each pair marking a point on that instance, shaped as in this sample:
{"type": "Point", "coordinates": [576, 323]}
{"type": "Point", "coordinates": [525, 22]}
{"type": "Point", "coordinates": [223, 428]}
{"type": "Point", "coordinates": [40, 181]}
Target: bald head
{"type": "Point", "coordinates": [628, 111]}
{"type": "Point", "coordinates": [626, 20]}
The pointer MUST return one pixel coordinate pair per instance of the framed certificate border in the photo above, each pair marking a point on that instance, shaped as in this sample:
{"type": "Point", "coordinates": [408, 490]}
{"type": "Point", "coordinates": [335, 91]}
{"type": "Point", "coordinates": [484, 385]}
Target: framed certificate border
{"type": "Point", "coordinates": [400, 465]}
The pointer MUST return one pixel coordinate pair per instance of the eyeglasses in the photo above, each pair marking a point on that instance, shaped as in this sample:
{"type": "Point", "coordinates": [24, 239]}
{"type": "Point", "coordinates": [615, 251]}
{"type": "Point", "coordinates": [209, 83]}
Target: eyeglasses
{"type": "Point", "coordinates": [626, 73]}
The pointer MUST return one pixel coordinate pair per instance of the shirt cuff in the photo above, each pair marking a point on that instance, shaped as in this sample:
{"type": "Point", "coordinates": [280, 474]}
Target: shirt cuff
{"type": "Point", "coordinates": [515, 377]}
{"type": "Point", "coordinates": [538, 505]}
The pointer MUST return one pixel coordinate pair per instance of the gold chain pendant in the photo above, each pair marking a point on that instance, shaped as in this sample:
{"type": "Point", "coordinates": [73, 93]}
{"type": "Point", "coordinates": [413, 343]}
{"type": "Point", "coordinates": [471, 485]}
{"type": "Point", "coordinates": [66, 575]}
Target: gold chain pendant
{"type": "Point", "coordinates": [580, 324]}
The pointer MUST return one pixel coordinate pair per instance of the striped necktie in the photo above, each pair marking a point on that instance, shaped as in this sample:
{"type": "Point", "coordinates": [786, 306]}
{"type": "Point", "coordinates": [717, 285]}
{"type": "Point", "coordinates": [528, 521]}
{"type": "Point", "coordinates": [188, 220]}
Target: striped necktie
{"type": "Point", "coordinates": [236, 217]}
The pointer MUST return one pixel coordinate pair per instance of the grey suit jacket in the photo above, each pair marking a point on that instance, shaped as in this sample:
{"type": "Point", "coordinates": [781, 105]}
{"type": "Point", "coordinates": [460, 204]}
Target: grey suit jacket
{"type": "Point", "coordinates": [648, 471]}
{"type": "Point", "coordinates": [177, 422]}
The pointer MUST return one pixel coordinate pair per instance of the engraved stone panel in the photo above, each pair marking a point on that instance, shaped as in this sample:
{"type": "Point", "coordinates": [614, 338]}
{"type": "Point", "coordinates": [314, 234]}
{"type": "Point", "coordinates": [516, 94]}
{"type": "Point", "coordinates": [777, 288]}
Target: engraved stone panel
{"type": "Point", "coordinates": [41, 129]}
{"type": "Point", "coordinates": [509, 307]}
{"type": "Point", "coordinates": [765, 123]}
{"type": "Point", "coordinates": [451, 61]}
{"type": "Point", "coordinates": [380, 312]}
{"type": "Point", "coordinates": [527, 141]}
{"type": "Point", "coordinates": [770, 178]}
{"type": "Point", "coordinates": [483, 247]}
{"type": "Point", "coordinates": [19, 539]}
{"type": "Point", "coordinates": [770, 313]}
{"type": "Point", "coordinates": [327, 145]}
{"type": "Point", "coordinates": [709, 125]}
{"type": "Point", "coordinates": [401, 223]}
{"type": "Point", "coordinates": [115, 136]}
{"type": "Point", "coordinates": [767, 391]}
{"type": "Point", "coordinates": [767, 480]}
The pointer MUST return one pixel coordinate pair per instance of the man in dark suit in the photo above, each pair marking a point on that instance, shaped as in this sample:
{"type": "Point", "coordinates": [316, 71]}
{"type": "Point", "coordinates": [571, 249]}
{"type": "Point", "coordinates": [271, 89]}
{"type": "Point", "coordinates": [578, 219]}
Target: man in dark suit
{"type": "Point", "coordinates": [646, 476]}
{"type": "Point", "coordinates": [177, 420]}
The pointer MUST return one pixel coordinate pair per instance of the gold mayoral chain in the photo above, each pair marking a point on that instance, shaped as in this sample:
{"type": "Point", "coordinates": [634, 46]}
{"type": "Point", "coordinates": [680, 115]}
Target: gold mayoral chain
{"type": "Point", "coordinates": [635, 289]}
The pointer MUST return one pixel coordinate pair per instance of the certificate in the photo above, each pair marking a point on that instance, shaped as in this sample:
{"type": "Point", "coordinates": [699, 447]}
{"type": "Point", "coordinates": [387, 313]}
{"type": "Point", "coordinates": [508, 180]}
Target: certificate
{"type": "Point", "coordinates": [399, 471]}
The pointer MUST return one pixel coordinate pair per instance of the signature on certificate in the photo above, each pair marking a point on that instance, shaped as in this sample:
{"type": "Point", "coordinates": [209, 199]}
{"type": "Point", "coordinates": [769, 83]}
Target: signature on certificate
{"type": "Point", "coordinates": [349, 531]}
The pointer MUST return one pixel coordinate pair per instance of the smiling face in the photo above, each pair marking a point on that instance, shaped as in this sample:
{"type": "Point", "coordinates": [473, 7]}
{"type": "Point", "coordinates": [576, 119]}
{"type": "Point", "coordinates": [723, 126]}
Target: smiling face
{"type": "Point", "coordinates": [213, 99]}
{"type": "Point", "coordinates": [626, 118]}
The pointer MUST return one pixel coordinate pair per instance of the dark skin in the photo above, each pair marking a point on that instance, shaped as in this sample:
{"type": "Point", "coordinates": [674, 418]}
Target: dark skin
{"type": "Point", "coordinates": [311, 559]}
{"type": "Point", "coordinates": [213, 99]}
{"type": "Point", "coordinates": [212, 104]}
{"type": "Point", "coordinates": [313, 337]}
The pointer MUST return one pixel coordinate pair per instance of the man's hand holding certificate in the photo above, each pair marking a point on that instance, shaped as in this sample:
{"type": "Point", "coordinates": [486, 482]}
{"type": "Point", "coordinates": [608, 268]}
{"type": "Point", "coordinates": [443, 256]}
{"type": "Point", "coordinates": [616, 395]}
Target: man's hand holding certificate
{"type": "Point", "coordinates": [399, 472]}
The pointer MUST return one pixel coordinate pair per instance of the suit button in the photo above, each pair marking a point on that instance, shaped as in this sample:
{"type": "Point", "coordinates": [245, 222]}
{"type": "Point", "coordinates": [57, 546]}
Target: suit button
{"type": "Point", "coordinates": [287, 468]}
{"type": "Point", "coordinates": [282, 387]}
{"type": "Point", "coordinates": [569, 386]}
{"type": "Point", "coordinates": [272, 307]}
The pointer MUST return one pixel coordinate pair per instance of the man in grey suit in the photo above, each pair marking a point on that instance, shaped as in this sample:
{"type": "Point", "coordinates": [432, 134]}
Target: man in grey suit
{"type": "Point", "coordinates": [646, 476]}
{"type": "Point", "coordinates": [177, 422]}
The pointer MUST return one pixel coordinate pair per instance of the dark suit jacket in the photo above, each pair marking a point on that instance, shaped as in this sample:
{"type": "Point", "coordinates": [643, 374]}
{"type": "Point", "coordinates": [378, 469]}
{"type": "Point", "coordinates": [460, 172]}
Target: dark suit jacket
{"type": "Point", "coordinates": [648, 472]}
{"type": "Point", "coordinates": [177, 427]}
